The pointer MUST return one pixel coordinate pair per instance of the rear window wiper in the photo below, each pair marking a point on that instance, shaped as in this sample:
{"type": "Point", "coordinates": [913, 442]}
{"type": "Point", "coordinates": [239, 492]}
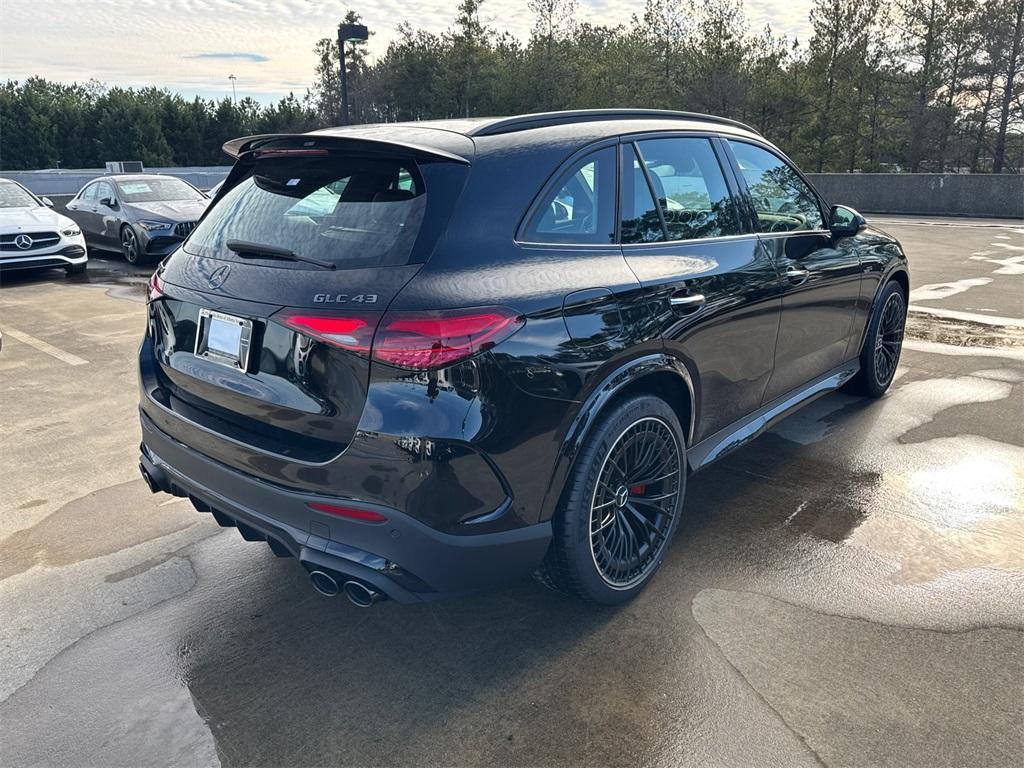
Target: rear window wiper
{"type": "Point", "coordinates": [260, 251]}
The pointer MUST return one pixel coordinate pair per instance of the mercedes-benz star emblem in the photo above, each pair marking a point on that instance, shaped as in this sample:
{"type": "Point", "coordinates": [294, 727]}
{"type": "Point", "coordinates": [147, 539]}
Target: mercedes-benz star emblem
{"type": "Point", "coordinates": [23, 241]}
{"type": "Point", "coordinates": [218, 277]}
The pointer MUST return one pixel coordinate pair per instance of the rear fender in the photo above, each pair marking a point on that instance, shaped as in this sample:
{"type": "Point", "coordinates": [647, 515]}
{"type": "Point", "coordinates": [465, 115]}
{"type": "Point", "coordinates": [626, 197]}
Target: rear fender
{"type": "Point", "coordinates": [588, 413]}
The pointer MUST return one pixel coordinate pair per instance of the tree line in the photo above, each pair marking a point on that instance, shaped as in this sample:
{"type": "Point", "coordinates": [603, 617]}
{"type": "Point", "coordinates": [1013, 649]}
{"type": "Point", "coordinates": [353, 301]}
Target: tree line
{"type": "Point", "coordinates": [880, 85]}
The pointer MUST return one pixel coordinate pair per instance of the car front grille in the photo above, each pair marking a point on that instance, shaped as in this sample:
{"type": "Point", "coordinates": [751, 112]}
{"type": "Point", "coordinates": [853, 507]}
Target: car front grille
{"type": "Point", "coordinates": [39, 240]}
{"type": "Point", "coordinates": [184, 228]}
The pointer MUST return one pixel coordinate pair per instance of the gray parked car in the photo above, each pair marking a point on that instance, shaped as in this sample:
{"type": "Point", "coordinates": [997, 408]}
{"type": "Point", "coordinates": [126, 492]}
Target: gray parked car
{"type": "Point", "coordinates": [145, 216]}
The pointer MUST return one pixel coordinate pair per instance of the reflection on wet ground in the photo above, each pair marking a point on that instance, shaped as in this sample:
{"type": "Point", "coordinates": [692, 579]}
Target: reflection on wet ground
{"type": "Point", "coordinates": [106, 270]}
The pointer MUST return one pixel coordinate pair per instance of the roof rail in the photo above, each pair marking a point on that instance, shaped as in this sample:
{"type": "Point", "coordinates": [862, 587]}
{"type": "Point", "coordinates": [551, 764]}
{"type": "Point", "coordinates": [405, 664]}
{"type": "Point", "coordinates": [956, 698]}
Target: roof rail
{"type": "Point", "coordinates": [543, 119]}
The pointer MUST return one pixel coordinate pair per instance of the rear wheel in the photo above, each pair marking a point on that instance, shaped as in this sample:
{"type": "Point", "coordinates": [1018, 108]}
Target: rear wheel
{"type": "Point", "coordinates": [130, 245]}
{"type": "Point", "coordinates": [882, 343]}
{"type": "Point", "coordinates": [622, 504]}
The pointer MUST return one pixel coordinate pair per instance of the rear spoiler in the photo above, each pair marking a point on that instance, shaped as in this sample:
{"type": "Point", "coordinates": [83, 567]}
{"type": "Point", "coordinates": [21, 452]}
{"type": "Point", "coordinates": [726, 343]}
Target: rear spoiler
{"type": "Point", "coordinates": [238, 147]}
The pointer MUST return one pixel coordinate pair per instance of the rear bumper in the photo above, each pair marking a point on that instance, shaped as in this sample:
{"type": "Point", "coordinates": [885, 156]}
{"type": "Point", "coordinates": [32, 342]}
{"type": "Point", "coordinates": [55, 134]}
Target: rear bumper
{"type": "Point", "coordinates": [403, 558]}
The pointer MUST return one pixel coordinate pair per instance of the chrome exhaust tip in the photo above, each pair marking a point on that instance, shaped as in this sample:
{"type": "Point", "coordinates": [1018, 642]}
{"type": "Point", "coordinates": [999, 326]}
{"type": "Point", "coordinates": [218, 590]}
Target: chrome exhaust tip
{"type": "Point", "coordinates": [361, 595]}
{"type": "Point", "coordinates": [324, 583]}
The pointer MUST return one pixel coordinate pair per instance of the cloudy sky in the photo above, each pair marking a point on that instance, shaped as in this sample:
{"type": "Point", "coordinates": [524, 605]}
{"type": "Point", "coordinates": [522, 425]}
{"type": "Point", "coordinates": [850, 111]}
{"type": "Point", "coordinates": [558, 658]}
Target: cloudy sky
{"type": "Point", "coordinates": [192, 46]}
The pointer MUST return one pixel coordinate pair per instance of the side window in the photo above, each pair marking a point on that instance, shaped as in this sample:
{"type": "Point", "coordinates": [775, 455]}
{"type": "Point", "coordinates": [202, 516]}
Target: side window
{"type": "Point", "coordinates": [88, 195]}
{"type": "Point", "coordinates": [783, 201]}
{"type": "Point", "coordinates": [581, 207]}
{"type": "Point", "coordinates": [103, 191]}
{"type": "Point", "coordinates": [641, 222]}
{"type": "Point", "coordinates": [691, 189]}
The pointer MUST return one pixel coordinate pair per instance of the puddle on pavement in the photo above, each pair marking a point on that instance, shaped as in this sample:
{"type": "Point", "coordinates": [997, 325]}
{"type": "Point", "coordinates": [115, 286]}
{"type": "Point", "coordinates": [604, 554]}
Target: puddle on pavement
{"type": "Point", "coordinates": [834, 517]}
{"type": "Point", "coordinates": [904, 476]}
{"type": "Point", "coordinates": [98, 524]}
{"type": "Point", "coordinates": [122, 280]}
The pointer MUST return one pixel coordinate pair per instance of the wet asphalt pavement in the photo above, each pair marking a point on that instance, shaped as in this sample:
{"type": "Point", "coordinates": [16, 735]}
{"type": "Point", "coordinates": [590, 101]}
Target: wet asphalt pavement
{"type": "Point", "coordinates": [847, 590]}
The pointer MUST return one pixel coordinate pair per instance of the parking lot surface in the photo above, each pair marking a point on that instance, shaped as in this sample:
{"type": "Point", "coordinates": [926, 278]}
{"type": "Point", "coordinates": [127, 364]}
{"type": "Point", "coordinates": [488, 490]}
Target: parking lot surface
{"type": "Point", "coordinates": [846, 590]}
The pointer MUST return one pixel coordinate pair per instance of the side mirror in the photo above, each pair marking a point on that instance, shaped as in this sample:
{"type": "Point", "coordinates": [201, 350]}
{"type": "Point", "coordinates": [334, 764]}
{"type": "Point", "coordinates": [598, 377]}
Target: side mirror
{"type": "Point", "coordinates": [844, 221]}
{"type": "Point", "coordinates": [109, 202]}
{"type": "Point", "coordinates": [48, 202]}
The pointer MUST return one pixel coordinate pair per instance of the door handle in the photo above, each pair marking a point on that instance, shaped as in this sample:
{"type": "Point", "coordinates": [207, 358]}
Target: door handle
{"type": "Point", "coordinates": [687, 302]}
{"type": "Point", "coordinates": [797, 275]}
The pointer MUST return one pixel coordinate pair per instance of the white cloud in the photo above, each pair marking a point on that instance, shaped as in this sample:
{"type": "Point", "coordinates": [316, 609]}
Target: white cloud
{"type": "Point", "coordinates": [167, 42]}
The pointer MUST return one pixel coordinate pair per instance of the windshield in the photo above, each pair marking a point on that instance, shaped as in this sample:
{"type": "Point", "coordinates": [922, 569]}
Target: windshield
{"type": "Point", "coordinates": [352, 212]}
{"type": "Point", "coordinates": [13, 196]}
{"type": "Point", "coordinates": [157, 191]}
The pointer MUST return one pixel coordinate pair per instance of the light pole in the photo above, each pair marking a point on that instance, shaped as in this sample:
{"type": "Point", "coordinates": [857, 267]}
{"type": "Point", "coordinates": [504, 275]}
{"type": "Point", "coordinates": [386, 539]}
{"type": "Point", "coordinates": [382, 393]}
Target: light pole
{"type": "Point", "coordinates": [348, 33]}
{"type": "Point", "coordinates": [234, 96]}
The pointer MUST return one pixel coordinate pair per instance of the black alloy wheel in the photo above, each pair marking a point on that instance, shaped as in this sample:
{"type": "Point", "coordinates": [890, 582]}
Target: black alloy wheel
{"type": "Point", "coordinates": [634, 502]}
{"type": "Point", "coordinates": [889, 338]}
{"type": "Point", "coordinates": [622, 505]}
{"type": "Point", "coordinates": [883, 343]}
{"type": "Point", "coordinates": [129, 244]}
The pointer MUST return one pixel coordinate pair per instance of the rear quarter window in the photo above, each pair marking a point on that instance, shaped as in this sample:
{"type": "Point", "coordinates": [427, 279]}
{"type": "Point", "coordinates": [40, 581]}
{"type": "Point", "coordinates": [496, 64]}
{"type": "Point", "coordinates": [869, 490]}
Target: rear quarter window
{"type": "Point", "coordinates": [580, 207]}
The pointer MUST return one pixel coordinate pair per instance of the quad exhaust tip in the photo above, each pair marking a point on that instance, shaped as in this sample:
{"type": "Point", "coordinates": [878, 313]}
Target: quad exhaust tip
{"type": "Point", "coordinates": [358, 594]}
{"type": "Point", "coordinates": [361, 595]}
{"type": "Point", "coordinates": [324, 583]}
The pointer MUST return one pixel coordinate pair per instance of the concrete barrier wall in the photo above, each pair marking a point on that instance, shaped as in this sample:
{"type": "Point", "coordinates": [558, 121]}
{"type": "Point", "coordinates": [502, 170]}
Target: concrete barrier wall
{"type": "Point", "coordinates": [935, 194]}
{"type": "Point", "coordinates": [68, 182]}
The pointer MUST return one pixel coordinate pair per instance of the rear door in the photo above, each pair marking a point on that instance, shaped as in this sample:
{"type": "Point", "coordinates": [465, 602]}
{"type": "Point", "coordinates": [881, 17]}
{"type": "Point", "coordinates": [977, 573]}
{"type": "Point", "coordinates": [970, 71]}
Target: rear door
{"type": "Point", "coordinates": [260, 358]}
{"type": "Point", "coordinates": [821, 282]}
{"type": "Point", "coordinates": [710, 283]}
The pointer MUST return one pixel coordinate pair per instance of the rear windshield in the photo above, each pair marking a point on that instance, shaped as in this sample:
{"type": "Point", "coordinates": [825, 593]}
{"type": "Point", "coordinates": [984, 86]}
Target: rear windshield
{"type": "Point", "coordinates": [353, 212]}
{"type": "Point", "coordinates": [156, 191]}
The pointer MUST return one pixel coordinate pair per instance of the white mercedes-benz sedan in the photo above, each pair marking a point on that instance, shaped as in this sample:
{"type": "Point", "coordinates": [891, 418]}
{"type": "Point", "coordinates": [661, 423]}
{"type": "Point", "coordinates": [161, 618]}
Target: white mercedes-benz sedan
{"type": "Point", "coordinates": [32, 236]}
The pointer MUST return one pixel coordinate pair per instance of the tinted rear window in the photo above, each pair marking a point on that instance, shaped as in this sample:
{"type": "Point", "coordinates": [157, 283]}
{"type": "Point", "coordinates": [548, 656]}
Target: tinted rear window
{"type": "Point", "coordinates": [354, 212]}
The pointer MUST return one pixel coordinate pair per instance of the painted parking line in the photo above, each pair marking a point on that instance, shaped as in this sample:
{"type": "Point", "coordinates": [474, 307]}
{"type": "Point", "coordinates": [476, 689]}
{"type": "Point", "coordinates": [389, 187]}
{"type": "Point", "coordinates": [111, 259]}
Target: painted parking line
{"type": "Point", "coordinates": [42, 346]}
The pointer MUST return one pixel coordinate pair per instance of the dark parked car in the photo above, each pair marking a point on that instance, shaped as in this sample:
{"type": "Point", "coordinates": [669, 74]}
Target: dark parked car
{"type": "Point", "coordinates": [427, 358]}
{"type": "Point", "coordinates": [145, 216]}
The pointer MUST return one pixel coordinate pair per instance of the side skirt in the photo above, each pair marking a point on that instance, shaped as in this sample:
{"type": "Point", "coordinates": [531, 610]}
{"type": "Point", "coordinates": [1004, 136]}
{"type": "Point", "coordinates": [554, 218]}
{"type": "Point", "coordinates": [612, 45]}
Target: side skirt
{"type": "Point", "coordinates": [742, 432]}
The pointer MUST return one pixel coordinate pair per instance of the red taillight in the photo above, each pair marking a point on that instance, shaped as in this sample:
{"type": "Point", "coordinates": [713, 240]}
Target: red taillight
{"type": "Point", "coordinates": [353, 332]}
{"type": "Point", "coordinates": [155, 290]}
{"type": "Point", "coordinates": [416, 340]}
{"type": "Point", "coordinates": [422, 340]}
{"type": "Point", "coordinates": [363, 515]}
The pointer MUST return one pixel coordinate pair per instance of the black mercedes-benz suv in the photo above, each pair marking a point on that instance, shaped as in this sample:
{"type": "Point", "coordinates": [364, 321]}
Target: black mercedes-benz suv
{"type": "Point", "coordinates": [426, 358]}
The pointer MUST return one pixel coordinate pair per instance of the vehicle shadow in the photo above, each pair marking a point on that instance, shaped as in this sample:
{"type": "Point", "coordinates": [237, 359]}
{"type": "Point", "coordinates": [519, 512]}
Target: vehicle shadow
{"type": "Point", "coordinates": [523, 676]}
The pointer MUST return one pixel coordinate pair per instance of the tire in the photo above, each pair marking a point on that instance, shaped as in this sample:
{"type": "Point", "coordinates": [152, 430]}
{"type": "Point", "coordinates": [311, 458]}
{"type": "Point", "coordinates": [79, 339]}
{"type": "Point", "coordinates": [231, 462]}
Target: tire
{"type": "Point", "coordinates": [883, 343]}
{"type": "Point", "coordinates": [130, 245]}
{"type": "Point", "coordinates": [76, 269]}
{"type": "Point", "coordinates": [612, 530]}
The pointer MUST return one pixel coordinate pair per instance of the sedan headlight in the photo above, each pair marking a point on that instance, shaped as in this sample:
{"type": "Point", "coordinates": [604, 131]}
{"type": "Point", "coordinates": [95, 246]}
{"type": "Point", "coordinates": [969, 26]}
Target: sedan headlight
{"type": "Point", "coordinates": [71, 232]}
{"type": "Point", "coordinates": [153, 226]}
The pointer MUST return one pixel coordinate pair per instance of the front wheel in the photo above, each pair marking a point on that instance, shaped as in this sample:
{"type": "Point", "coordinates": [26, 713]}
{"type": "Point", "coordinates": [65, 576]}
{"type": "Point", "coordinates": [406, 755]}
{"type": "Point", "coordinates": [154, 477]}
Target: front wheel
{"type": "Point", "coordinates": [622, 504]}
{"type": "Point", "coordinates": [130, 245]}
{"type": "Point", "coordinates": [883, 343]}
